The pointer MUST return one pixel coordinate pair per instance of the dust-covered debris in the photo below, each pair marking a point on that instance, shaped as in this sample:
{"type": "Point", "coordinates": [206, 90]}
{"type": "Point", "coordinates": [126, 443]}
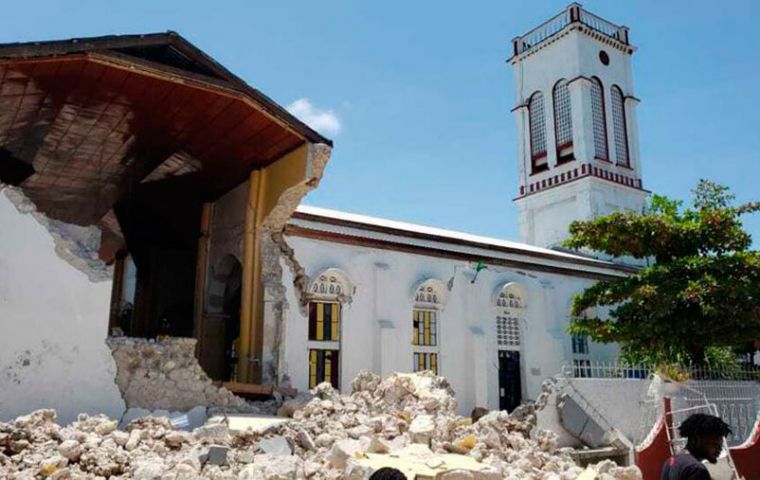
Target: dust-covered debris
{"type": "Point", "coordinates": [406, 420]}
{"type": "Point", "coordinates": [165, 374]}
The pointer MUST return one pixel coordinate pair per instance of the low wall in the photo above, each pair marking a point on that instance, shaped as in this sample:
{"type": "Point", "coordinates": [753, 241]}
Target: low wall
{"type": "Point", "coordinates": [619, 401]}
{"type": "Point", "coordinates": [164, 374]}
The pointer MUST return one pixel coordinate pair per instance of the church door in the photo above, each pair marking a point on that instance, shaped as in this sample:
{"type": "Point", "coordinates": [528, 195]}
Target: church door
{"type": "Point", "coordinates": [510, 391]}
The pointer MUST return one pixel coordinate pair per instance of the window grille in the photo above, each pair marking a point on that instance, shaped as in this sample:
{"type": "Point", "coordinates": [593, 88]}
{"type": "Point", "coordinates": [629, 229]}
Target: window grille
{"type": "Point", "coordinates": [324, 321]}
{"type": "Point", "coordinates": [598, 116]}
{"type": "Point", "coordinates": [537, 132]}
{"type": "Point", "coordinates": [425, 328]}
{"type": "Point", "coordinates": [324, 366]}
{"type": "Point", "coordinates": [619, 124]}
{"type": "Point", "coordinates": [563, 122]}
{"type": "Point", "coordinates": [507, 331]}
{"type": "Point", "coordinates": [580, 345]}
{"type": "Point", "coordinates": [425, 361]}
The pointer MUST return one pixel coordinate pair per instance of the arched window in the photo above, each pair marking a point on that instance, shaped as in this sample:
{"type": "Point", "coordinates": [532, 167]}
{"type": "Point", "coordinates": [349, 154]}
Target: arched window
{"type": "Point", "coordinates": [537, 120]}
{"type": "Point", "coordinates": [620, 126]}
{"type": "Point", "coordinates": [327, 291]}
{"type": "Point", "coordinates": [600, 120]}
{"type": "Point", "coordinates": [563, 121]}
{"type": "Point", "coordinates": [510, 303]}
{"type": "Point", "coordinates": [429, 298]}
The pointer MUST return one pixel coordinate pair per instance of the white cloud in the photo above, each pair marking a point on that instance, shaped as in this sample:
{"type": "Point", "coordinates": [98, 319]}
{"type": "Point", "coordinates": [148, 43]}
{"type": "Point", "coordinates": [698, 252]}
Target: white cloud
{"type": "Point", "coordinates": [323, 121]}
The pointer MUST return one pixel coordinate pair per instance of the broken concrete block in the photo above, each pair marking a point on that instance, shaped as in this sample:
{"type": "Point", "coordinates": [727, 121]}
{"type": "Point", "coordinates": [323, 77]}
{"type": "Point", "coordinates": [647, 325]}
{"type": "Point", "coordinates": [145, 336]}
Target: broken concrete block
{"type": "Point", "coordinates": [50, 465]}
{"type": "Point", "coordinates": [455, 475]}
{"type": "Point", "coordinates": [217, 455]}
{"type": "Point", "coordinates": [176, 438]}
{"type": "Point", "coordinates": [62, 474]}
{"type": "Point", "coordinates": [70, 449]}
{"type": "Point", "coordinates": [181, 472]}
{"type": "Point", "coordinates": [305, 441]}
{"type": "Point", "coordinates": [212, 433]}
{"type": "Point", "coordinates": [275, 446]}
{"type": "Point", "coordinates": [147, 469]}
{"type": "Point", "coordinates": [134, 439]}
{"type": "Point", "coordinates": [325, 440]}
{"type": "Point", "coordinates": [360, 431]}
{"type": "Point", "coordinates": [356, 471]}
{"type": "Point", "coordinates": [378, 445]}
{"type": "Point", "coordinates": [273, 467]}
{"type": "Point", "coordinates": [120, 438]}
{"type": "Point", "coordinates": [421, 429]}
{"type": "Point", "coordinates": [105, 428]}
{"type": "Point", "coordinates": [192, 462]}
{"type": "Point", "coordinates": [341, 451]}
{"type": "Point", "coordinates": [245, 456]}
{"type": "Point", "coordinates": [488, 474]}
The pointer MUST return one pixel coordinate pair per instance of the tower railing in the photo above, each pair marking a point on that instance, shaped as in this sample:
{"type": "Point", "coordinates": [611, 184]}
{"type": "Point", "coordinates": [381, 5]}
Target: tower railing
{"type": "Point", "coordinates": [599, 24]}
{"type": "Point", "coordinates": [574, 13]}
{"type": "Point", "coordinates": [542, 32]}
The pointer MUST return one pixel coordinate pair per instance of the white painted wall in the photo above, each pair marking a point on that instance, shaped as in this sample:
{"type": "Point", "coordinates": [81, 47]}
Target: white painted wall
{"type": "Point", "coordinates": [377, 323]}
{"type": "Point", "coordinates": [53, 325]}
{"type": "Point", "coordinates": [546, 216]}
{"type": "Point", "coordinates": [574, 56]}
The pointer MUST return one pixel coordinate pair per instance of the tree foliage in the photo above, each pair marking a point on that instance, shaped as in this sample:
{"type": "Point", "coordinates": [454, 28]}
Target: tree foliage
{"type": "Point", "coordinates": [702, 289]}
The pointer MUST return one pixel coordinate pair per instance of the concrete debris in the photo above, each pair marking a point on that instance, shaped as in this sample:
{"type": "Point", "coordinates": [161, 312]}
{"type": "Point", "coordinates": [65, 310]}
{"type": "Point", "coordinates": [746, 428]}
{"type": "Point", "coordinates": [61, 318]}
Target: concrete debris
{"type": "Point", "coordinates": [275, 446]}
{"type": "Point", "coordinates": [406, 420]}
{"type": "Point", "coordinates": [165, 374]}
{"type": "Point", "coordinates": [217, 454]}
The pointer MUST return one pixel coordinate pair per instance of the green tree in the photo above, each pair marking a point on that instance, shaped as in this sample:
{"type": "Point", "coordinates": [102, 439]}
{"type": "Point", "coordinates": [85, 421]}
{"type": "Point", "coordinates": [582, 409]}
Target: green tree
{"type": "Point", "coordinates": [701, 290]}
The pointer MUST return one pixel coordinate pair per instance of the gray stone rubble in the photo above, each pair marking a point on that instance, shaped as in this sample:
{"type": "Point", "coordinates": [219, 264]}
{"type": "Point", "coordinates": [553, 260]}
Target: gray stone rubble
{"type": "Point", "coordinates": [330, 436]}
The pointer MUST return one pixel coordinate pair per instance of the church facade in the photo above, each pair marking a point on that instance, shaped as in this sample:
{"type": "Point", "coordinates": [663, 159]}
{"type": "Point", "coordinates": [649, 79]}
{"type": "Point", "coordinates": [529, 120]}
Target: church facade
{"type": "Point", "coordinates": [208, 240]}
{"type": "Point", "coordinates": [488, 314]}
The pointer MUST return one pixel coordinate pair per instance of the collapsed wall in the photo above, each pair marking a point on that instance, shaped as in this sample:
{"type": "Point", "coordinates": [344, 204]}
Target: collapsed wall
{"type": "Point", "coordinates": [165, 374]}
{"type": "Point", "coordinates": [54, 308]}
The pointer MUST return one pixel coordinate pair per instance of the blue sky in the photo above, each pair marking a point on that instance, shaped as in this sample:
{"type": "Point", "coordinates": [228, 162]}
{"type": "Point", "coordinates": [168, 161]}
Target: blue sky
{"type": "Point", "coordinates": [417, 95]}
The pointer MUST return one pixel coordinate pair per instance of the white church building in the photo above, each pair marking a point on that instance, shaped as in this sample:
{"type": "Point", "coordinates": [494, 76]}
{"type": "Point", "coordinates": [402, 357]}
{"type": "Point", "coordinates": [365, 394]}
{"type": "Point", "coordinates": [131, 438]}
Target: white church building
{"type": "Point", "coordinates": [490, 315]}
{"type": "Point", "coordinates": [342, 292]}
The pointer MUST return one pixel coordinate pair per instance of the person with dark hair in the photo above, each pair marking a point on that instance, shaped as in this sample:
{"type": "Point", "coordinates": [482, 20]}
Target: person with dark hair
{"type": "Point", "coordinates": [478, 413]}
{"type": "Point", "coordinates": [387, 473]}
{"type": "Point", "coordinates": [704, 441]}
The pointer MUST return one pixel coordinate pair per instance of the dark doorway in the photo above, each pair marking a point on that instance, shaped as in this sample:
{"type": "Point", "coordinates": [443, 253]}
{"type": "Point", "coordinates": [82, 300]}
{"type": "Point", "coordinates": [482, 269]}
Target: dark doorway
{"type": "Point", "coordinates": [220, 327]}
{"type": "Point", "coordinates": [510, 390]}
{"type": "Point", "coordinates": [161, 225]}
{"type": "Point", "coordinates": [232, 303]}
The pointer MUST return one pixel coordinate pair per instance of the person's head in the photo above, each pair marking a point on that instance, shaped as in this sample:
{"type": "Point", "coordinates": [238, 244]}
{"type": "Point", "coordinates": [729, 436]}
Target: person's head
{"type": "Point", "coordinates": [387, 473]}
{"type": "Point", "coordinates": [704, 435]}
{"type": "Point", "coordinates": [478, 413]}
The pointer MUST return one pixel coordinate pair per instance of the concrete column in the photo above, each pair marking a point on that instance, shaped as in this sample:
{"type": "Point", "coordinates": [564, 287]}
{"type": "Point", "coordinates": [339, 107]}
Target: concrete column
{"type": "Point", "coordinates": [387, 343]}
{"type": "Point", "coordinates": [551, 137]}
{"type": "Point", "coordinates": [632, 125]}
{"type": "Point", "coordinates": [525, 219]}
{"type": "Point", "coordinates": [381, 277]}
{"type": "Point", "coordinates": [583, 122]}
{"type": "Point", "coordinates": [480, 375]}
{"type": "Point", "coordinates": [523, 144]}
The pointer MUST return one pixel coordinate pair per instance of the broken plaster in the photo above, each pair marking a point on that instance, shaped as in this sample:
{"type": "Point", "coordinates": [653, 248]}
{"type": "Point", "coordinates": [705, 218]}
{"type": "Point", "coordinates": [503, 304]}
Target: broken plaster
{"type": "Point", "coordinates": [75, 244]}
{"type": "Point", "coordinates": [273, 249]}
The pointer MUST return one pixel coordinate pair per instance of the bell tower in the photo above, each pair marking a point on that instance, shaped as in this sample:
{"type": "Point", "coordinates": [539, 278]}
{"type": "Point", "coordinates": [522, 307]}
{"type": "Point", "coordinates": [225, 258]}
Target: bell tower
{"type": "Point", "coordinates": [576, 123]}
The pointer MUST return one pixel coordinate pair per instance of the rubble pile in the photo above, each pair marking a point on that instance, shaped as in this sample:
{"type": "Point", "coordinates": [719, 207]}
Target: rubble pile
{"type": "Point", "coordinates": [402, 420]}
{"type": "Point", "coordinates": [165, 374]}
